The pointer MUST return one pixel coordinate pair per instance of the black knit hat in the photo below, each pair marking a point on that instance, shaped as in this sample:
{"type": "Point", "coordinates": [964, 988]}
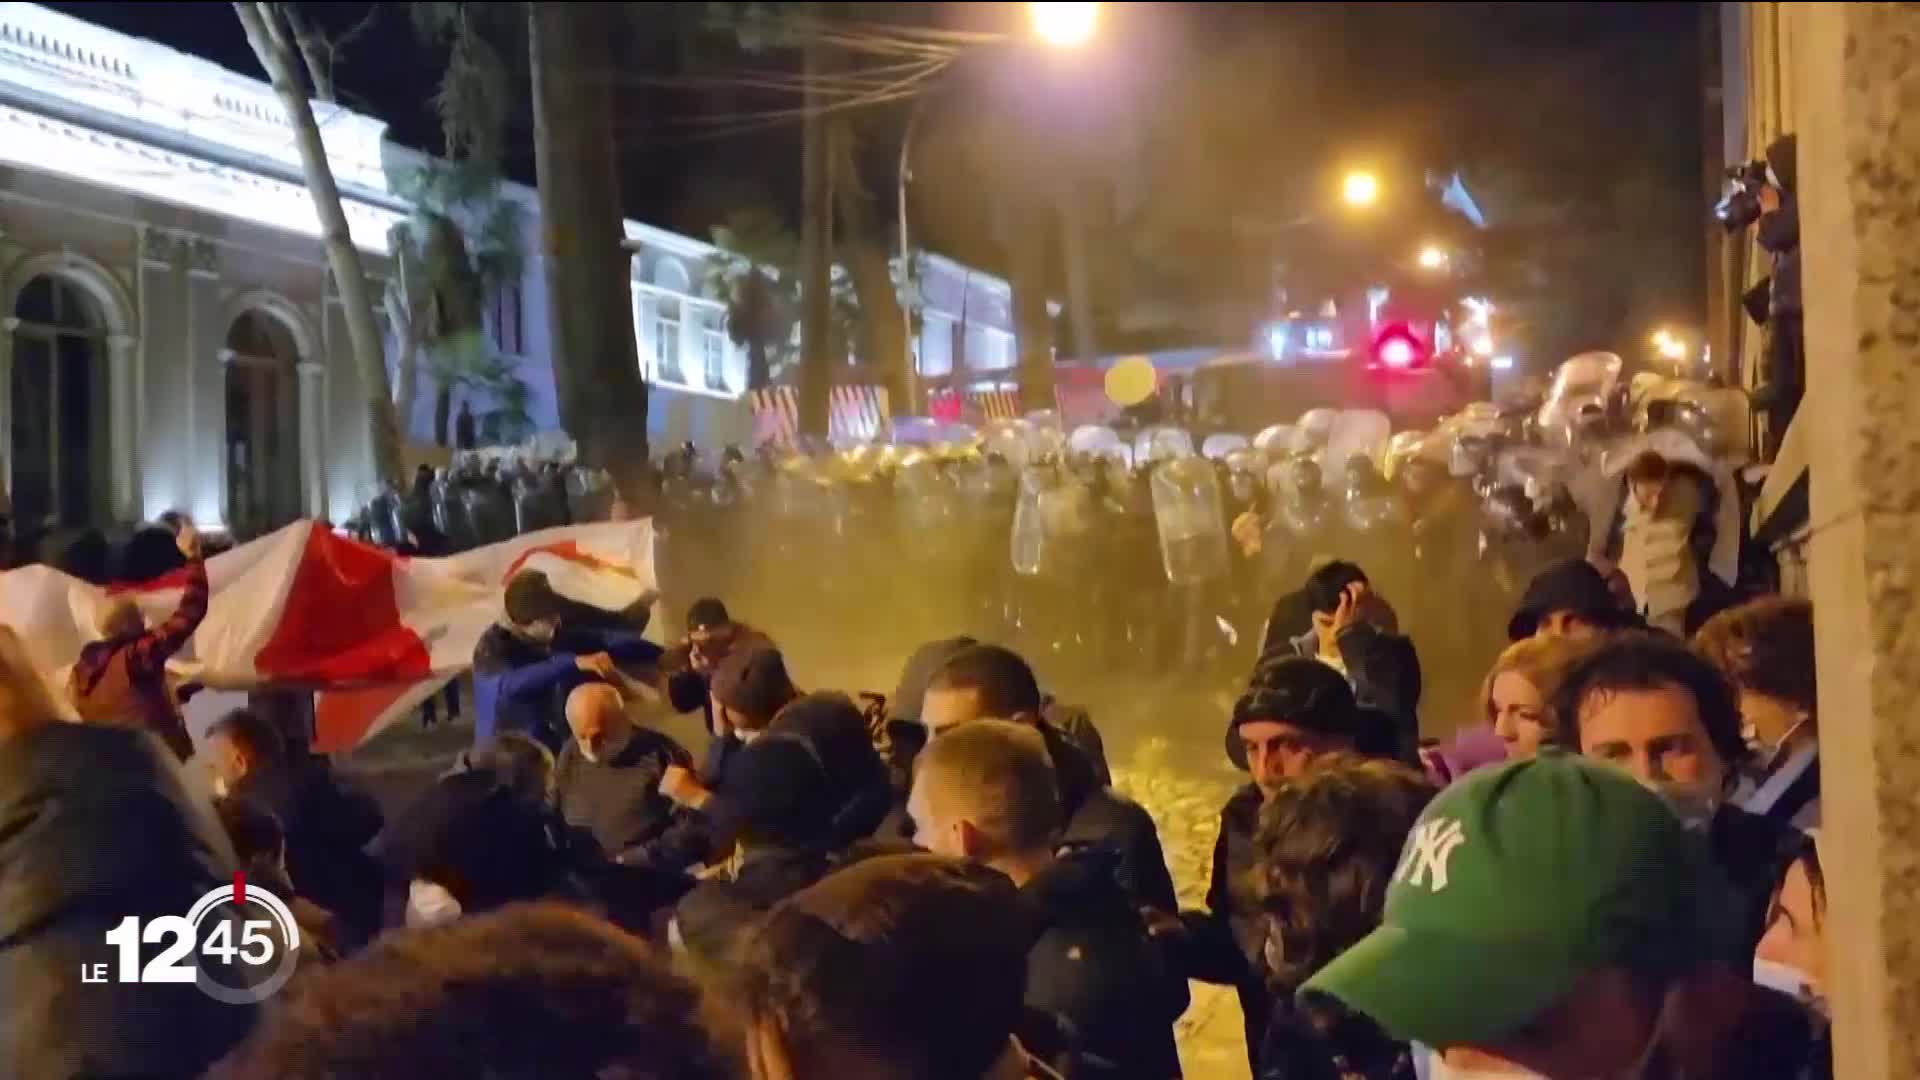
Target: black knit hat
{"type": "Point", "coordinates": [1294, 690]}
{"type": "Point", "coordinates": [779, 791]}
{"type": "Point", "coordinates": [1572, 585]}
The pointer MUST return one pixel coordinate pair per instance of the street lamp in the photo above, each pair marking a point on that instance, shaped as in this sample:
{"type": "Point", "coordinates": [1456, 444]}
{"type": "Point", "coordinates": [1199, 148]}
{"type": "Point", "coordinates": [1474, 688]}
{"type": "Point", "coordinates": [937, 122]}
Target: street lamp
{"type": "Point", "coordinates": [1360, 189]}
{"type": "Point", "coordinates": [1059, 25]}
{"type": "Point", "coordinates": [1067, 26]}
{"type": "Point", "coordinates": [1433, 257]}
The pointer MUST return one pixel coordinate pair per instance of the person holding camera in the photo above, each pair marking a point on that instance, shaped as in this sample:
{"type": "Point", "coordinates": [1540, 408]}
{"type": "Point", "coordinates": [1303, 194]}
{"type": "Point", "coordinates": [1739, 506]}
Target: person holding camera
{"type": "Point", "coordinates": [1762, 195]}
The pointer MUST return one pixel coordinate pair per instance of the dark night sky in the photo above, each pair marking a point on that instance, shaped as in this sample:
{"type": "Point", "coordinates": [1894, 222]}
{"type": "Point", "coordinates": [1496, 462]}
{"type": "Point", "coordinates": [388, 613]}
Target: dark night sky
{"type": "Point", "coordinates": [1226, 108]}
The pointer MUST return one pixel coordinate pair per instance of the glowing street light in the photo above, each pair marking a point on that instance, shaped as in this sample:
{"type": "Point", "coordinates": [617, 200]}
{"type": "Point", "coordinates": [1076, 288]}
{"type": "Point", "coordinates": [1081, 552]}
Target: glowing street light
{"type": "Point", "coordinates": [1360, 189]}
{"type": "Point", "coordinates": [1066, 26]}
{"type": "Point", "coordinates": [1433, 257]}
{"type": "Point", "coordinates": [1669, 345]}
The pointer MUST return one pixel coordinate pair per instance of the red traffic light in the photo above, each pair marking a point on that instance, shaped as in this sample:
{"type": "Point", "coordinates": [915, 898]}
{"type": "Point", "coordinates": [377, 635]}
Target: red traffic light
{"type": "Point", "coordinates": [1400, 349]}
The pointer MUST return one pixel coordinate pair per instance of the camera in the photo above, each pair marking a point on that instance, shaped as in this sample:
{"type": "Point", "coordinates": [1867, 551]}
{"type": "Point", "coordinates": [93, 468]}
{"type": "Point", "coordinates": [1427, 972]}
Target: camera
{"type": "Point", "coordinates": [1739, 207]}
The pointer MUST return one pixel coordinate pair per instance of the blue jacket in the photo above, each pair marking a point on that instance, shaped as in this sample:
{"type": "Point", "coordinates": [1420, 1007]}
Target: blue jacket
{"type": "Point", "coordinates": [517, 684]}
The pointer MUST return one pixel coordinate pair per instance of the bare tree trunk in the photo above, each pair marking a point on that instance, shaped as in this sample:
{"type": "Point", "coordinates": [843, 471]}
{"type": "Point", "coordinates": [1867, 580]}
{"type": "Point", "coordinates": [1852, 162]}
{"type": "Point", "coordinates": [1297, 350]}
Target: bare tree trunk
{"type": "Point", "coordinates": [816, 244]}
{"type": "Point", "coordinates": [406, 368]}
{"type": "Point", "coordinates": [596, 368]}
{"type": "Point", "coordinates": [271, 41]}
{"type": "Point", "coordinates": [883, 332]}
{"type": "Point", "coordinates": [1032, 324]}
{"type": "Point", "coordinates": [1073, 224]}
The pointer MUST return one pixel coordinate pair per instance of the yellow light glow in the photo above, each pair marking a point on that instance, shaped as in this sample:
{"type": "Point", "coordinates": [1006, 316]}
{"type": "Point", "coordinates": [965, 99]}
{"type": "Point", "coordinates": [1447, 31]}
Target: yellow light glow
{"type": "Point", "coordinates": [1360, 189]}
{"type": "Point", "coordinates": [1483, 346]}
{"type": "Point", "coordinates": [1433, 257]}
{"type": "Point", "coordinates": [1674, 349]}
{"type": "Point", "coordinates": [1066, 26]}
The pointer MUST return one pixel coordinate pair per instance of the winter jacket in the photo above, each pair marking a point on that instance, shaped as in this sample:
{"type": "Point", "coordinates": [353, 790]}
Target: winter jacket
{"type": "Point", "coordinates": [100, 829]}
{"type": "Point", "coordinates": [1225, 944]}
{"type": "Point", "coordinates": [124, 680]}
{"type": "Point", "coordinates": [690, 687]}
{"type": "Point", "coordinates": [1313, 1045]}
{"type": "Point", "coordinates": [1077, 725]}
{"type": "Point", "coordinates": [1094, 966]}
{"type": "Point", "coordinates": [1384, 670]}
{"type": "Point", "coordinates": [328, 825]}
{"type": "Point", "coordinates": [1099, 816]}
{"type": "Point", "coordinates": [1752, 854]}
{"type": "Point", "coordinates": [514, 682]}
{"type": "Point", "coordinates": [712, 918]}
{"type": "Point", "coordinates": [520, 686]}
{"type": "Point", "coordinates": [619, 802]}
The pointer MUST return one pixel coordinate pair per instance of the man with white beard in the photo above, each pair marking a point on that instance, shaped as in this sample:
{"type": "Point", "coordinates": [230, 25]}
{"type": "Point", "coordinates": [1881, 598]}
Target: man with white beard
{"type": "Point", "coordinates": [607, 783]}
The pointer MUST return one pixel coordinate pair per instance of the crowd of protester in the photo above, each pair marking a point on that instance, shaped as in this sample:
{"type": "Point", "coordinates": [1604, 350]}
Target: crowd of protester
{"type": "Point", "coordinates": [1610, 872]}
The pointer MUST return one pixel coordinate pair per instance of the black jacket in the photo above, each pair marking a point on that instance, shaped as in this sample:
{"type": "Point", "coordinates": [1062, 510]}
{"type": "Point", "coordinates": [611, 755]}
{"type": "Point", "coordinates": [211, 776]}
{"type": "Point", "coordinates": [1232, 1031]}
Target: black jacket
{"type": "Point", "coordinates": [1225, 944]}
{"type": "Point", "coordinates": [98, 829]}
{"type": "Point", "coordinates": [619, 803]}
{"type": "Point", "coordinates": [1752, 853]}
{"type": "Point", "coordinates": [1098, 816]}
{"type": "Point", "coordinates": [1302, 1045]}
{"type": "Point", "coordinates": [328, 825]}
{"type": "Point", "coordinates": [712, 918]}
{"type": "Point", "coordinates": [1093, 965]}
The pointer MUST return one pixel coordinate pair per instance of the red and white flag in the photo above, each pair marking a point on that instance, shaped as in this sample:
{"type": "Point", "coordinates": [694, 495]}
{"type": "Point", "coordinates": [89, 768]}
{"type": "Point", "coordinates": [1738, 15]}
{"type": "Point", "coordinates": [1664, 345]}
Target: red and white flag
{"type": "Point", "coordinates": [307, 608]}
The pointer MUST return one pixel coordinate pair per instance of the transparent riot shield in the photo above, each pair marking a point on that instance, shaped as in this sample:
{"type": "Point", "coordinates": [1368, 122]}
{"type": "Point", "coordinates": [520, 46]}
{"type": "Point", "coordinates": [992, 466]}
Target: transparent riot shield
{"type": "Point", "coordinates": [1161, 443]}
{"type": "Point", "coordinates": [589, 494]}
{"type": "Point", "coordinates": [1274, 440]}
{"type": "Point", "coordinates": [490, 511]}
{"type": "Point", "coordinates": [1010, 440]}
{"type": "Point", "coordinates": [450, 513]}
{"type": "Point", "coordinates": [384, 526]}
{"type": "Point", "coordinates": [1355, 433]}
{"type": "Point", "coordinates": [1217, 447]}
{"type": "Point", "coordinates": [1310, 432]}
{"type": "Point", "coordinates": [1578, 397]}
{"type": "Point", "coordinates": [1097, 440]}
{"type": "Point", "coordinates": [1054, 515]}
{"type": "Point", "coordinates": [1187, 512]}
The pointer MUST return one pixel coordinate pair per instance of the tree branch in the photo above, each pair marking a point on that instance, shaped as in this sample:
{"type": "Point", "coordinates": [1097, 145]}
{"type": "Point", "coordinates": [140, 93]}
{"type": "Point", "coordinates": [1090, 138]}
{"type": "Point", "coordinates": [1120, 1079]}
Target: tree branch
{"type": "Point", "coordinates": [315, 51]}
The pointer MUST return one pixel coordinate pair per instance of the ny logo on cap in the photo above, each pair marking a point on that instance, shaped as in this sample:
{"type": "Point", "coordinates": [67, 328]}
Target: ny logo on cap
{"type": "Point", "coordinates": [1429, 848]}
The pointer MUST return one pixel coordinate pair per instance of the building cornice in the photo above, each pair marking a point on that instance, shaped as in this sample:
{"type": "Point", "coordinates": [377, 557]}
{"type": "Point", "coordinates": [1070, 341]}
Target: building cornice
{"type": "Point", "coordinates": [83, 101]}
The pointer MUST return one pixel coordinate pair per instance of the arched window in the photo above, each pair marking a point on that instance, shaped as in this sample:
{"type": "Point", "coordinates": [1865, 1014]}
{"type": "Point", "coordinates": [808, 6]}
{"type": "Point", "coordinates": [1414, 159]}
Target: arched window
{"type": "Point", "coordinates": [61, 440]}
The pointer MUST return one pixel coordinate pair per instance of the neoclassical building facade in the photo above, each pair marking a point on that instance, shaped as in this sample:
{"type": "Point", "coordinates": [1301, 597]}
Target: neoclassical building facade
{"type": "Point", "coordinates": [172, 338]}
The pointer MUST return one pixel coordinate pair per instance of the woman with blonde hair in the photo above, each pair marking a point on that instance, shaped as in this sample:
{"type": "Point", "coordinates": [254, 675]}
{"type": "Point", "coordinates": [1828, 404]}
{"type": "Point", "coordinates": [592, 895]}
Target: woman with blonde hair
{"type": "Point", "coordinates": [1515, 696]}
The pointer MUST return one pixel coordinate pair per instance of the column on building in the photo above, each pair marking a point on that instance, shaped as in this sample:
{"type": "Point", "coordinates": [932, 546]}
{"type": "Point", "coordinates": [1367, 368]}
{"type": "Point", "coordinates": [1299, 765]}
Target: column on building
{"type": "Point", "coordinates": [165, 390]}
{"type": "Point", "coordinates": [205, 410]}
{"type": "Point", "coordinates": [313, 436]}
{"type": "Point", "coordinates": [1859, 172]}
{"type": "Point", "coordinates": [123, 363]}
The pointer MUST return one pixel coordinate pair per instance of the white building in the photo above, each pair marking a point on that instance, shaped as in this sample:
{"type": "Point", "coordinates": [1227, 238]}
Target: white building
{"type": "Point", "coordinates": [173, 337]}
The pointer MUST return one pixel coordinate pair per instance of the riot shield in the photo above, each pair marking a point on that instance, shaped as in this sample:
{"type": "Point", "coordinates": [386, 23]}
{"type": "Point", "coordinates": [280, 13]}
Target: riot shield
{"type": "Point", "coordinates": [1217, 447]}
{"type": "Point", "coordinates": [1052, 519]}
{"type": "Point", "coordinates": [1187, 513]}
{"type": "Point", "coordinates": [1274, 440]}
{"type": "Point", "coordinates": [1161, 443]}
{"type": "Point", "coordinates": [589, 494]}
{"type": "Point", "coordinates": [1578, 397]}
{"type": "Point", "coordinates": [1355, 433]}
{"type": "Point", "coordinates": [490, 511]}
{"type": "Point", "coordinates": [384, 527]}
